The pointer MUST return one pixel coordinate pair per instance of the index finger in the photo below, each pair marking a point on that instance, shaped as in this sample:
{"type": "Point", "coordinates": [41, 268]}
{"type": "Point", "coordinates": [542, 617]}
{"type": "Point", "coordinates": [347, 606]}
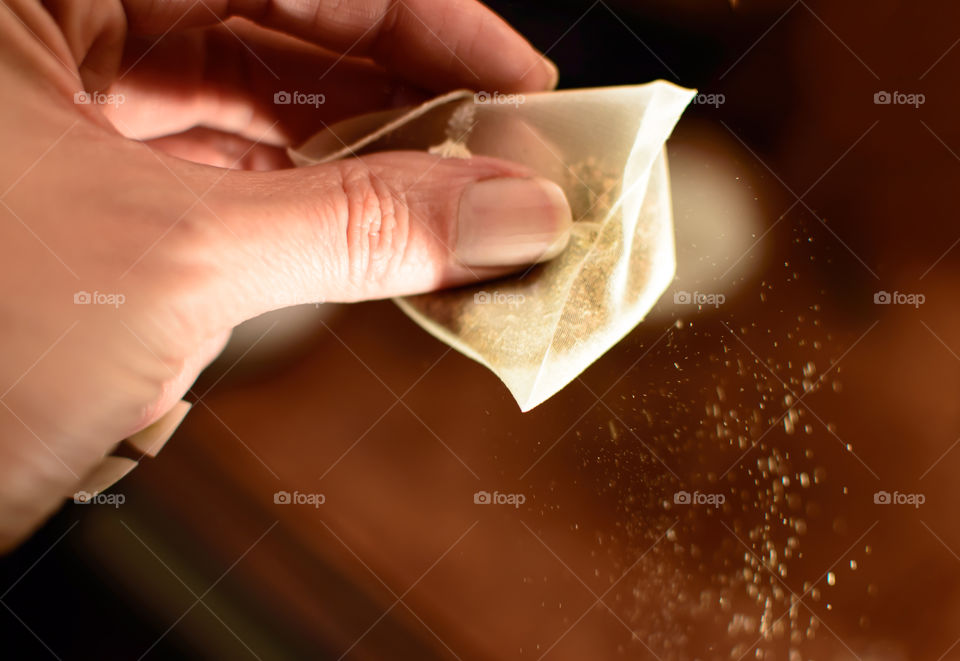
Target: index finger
{"type": "Point", "coordinates": [435, 44]}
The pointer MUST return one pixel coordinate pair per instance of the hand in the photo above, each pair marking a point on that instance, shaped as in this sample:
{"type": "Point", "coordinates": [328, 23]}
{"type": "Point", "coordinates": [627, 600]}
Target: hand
{"type": "Point", "coordinates": [120, 198]}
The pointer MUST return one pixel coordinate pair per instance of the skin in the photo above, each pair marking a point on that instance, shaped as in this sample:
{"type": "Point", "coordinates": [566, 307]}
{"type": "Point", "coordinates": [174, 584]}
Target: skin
{"type": "Point", "coordinates": [176, 200]}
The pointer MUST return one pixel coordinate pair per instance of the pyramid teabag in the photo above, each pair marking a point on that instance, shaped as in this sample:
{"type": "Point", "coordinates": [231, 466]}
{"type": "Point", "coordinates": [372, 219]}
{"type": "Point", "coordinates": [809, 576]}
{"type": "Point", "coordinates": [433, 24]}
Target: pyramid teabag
{"type": "Point", "coordinates": [540, 329]}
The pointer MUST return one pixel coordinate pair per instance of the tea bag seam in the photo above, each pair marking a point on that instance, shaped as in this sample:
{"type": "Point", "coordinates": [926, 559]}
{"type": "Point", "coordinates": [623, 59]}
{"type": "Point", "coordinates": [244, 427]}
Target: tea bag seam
{"type": "Point", "coordinates": [643, 178]}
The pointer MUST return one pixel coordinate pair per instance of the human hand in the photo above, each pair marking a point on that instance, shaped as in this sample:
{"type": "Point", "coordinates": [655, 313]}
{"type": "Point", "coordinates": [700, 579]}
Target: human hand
{"type": "Point", "coordinates": [121, 197]}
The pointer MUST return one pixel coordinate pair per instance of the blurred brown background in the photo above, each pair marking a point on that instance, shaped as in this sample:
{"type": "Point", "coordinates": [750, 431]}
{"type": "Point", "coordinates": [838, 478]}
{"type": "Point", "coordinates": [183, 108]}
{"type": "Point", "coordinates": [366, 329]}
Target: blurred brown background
{"type": "Point", "coordinates": [798, 399]}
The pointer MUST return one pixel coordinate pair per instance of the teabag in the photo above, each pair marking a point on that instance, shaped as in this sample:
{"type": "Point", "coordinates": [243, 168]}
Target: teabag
{"type": "Point", "coordinates": [540, 329]}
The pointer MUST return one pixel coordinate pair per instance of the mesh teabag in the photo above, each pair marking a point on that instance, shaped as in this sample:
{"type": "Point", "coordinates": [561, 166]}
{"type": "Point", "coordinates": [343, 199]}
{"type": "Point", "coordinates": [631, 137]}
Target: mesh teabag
{"type": "Point", "coordinates": [540, 329]}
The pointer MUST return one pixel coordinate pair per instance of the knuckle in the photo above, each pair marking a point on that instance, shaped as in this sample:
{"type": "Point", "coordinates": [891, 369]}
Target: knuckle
{"type": "Point", "coordinates": [376, 226]}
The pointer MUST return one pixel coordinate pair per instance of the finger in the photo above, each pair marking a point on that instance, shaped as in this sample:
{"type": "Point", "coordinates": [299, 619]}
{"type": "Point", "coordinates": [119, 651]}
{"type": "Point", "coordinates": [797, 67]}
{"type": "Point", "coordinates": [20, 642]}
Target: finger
{"type": "Point", "coordinates": [182, 379]}
{"type": "Point", "coordinates": [41, 466]}
{"type": "Point", "coordinates": [222, 150]}
{"type": "Point", "coordinates": [94, 34]}
{"type": "Point", "coordinates": [430, 43]}
{"type": "Point", "coordinates": [385, 225]}
{"type": "Point", "coordinates": [210, 78]}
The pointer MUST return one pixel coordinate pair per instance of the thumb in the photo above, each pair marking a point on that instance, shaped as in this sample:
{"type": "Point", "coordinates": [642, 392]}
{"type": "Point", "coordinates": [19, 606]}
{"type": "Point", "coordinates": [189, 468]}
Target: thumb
{"type": "Point", "coordinates": [384, 225]}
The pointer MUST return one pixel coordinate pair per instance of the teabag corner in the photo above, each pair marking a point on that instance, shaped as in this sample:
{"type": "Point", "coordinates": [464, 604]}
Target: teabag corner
{"type": "Point", "coordinates": [540, 329]}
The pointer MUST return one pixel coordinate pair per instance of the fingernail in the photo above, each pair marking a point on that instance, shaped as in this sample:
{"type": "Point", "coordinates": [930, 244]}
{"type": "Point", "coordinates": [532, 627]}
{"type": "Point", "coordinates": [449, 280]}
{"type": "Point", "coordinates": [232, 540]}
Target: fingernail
{"type": "Point", "coordinates": [508, 221]}
{"type": "Point", "coordinates": [105, 475]}
{"type": "Point", "coordinates": [150, 440]}
{"type": "Point", "coordinates": [553, 73]}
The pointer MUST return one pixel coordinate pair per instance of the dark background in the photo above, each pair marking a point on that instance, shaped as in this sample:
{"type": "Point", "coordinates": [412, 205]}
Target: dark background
{"type": "Point", "coordinates": [799, 80]}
